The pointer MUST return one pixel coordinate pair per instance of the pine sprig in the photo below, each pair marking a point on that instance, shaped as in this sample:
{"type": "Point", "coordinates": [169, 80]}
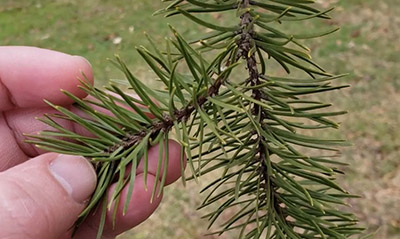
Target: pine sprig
{"type": "Point", "coordinates": [230, 115]}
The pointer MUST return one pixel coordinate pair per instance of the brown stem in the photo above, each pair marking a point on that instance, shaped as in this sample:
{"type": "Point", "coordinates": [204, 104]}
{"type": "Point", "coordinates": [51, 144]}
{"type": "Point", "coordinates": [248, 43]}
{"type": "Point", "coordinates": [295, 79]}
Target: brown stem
{"type": "Point", "coordinates": [167, 123]}
{"type": "Point", "coordinates": [245, 44]}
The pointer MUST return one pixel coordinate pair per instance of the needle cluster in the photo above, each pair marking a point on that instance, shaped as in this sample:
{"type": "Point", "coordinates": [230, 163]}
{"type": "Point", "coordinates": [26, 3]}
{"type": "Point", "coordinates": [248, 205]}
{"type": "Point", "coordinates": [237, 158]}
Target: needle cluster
{"type": "Point", "coordinates": [231, 116]}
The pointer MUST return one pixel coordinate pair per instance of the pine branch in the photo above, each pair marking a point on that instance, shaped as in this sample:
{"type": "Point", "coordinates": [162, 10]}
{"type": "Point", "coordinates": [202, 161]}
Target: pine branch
{"type": "Point", "coordinates": [245, 128]}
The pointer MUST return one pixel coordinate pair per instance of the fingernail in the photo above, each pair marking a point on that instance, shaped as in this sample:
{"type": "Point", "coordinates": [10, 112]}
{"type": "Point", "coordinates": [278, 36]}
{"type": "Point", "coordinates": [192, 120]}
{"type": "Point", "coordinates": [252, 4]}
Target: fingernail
{"type": "Point", "coordinates": [75, 174]}
{"type": "Point", "coordinates": [84, 59]}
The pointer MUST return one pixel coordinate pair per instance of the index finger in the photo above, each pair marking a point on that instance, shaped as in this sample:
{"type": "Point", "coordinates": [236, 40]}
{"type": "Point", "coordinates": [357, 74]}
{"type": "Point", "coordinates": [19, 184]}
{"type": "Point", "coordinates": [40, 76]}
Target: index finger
{"type": "Point", "coordinates": [29, 74]}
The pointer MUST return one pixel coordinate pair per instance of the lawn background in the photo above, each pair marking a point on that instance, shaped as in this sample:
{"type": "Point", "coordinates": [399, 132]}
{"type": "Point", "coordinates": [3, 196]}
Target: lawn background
{"type": "Point", "coordinates": [367, 47]}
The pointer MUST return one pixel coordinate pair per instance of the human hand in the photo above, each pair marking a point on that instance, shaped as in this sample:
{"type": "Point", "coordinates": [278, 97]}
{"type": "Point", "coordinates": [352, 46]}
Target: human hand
{"type": "Point", "coordinates": [42, 194]}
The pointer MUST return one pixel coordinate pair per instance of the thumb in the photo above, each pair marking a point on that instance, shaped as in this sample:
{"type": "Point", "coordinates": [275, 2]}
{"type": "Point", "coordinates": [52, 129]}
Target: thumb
{"type": "Point", "coordinates": [42, 198]}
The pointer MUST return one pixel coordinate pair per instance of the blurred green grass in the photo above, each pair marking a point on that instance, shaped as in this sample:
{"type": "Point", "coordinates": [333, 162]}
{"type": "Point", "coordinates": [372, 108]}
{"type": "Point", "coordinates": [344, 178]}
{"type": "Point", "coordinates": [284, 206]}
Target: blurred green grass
{"type": "Point", "coordinates": [367, 47]}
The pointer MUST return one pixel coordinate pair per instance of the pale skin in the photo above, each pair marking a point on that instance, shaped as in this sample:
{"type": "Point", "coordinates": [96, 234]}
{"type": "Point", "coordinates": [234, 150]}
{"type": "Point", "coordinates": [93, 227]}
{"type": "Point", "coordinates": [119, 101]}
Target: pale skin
{"type": "Point", "coordinates": [42, 194]}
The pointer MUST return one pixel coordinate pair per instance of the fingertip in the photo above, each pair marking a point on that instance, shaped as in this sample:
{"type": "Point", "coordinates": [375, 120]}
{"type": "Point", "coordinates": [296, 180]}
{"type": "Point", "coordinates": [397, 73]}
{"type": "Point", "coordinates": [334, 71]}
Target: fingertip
{"type": "Point", "coordinates": [32, 199]}
{"type": "Point", "coordinates": [174, 170]}
{"type": "Point", "coordinates": [175, 164]}
{"type": "Point", "coordinates": [141, 195]}
{"type": "Point", "coordinates": [81, 69]}
{"type": "Point", "coordinates": [32, 74]}
{"type": "Point", "coordinates": [85, 68]}
{"type": "Point", "coordinates": [66, 168]}
{"type": "Point", "coordinates": [140, 207]}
